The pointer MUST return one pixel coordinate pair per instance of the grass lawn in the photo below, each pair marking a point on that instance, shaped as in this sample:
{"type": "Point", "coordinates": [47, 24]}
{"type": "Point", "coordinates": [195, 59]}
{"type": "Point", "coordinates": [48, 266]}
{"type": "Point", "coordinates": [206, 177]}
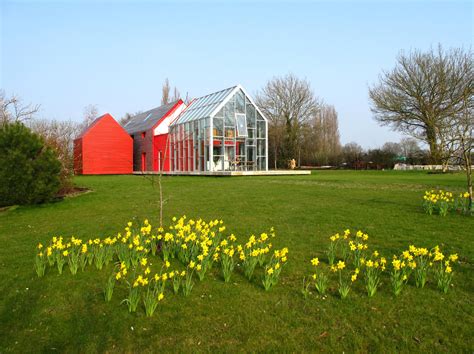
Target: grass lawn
{"type": "Point", "coordinates": [68, 313]}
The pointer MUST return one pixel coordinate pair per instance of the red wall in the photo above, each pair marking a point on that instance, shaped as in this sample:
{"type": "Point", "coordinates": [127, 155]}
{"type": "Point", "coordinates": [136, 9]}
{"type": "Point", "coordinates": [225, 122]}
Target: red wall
{"type": "Point", "coordinates": [105, 148]}
{"type": "Point", "coordinates": [159, 144]}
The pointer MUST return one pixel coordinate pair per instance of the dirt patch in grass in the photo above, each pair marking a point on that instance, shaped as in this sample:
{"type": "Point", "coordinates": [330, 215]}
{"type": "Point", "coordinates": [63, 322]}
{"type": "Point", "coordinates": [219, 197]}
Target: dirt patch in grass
{"type": "Point", "coordinates": [72, 192]}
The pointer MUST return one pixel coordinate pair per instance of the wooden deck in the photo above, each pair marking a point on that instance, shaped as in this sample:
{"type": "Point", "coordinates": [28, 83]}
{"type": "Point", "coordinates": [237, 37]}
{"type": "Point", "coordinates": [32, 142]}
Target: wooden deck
{"type": "Point", "coordinates": [230, 173]}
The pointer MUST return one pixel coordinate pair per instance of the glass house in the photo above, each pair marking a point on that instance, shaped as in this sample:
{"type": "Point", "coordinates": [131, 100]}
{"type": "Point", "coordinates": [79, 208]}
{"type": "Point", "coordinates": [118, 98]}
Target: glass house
{"type": "Point", "coordinates": [222, 131]}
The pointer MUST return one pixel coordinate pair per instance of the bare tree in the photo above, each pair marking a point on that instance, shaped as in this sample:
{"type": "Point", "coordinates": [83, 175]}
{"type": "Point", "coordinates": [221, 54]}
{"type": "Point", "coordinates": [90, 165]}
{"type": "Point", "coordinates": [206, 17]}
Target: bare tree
{"type": "Point", "coordinates": [276, 135]}
{"type": "Point", "coordinates": [421, 92]}
{"type": "Point", "coordinates": [322, 143]}
{"type": "Point", "coordinates": [392, 148]}
{"type": "Point", "coordinates": [89, 114]}
{"type": "Point", "coordinates": [352, 153]}
{"type": "Point", "coordinates": [458, 137]}
{"type": "Point", "coordinates": [13, 110]}
{"type": "Point", "coordinates": [187, 99]}
{"type": "Point", "coordinates": [290, 102]}
{"type": "Point", "coordinates": [176, 95]}
{"type": "Point", "coordinates": [59, 135]}
{"type": "Point", "coordinates": [411, 150]}
{"type": "Point", "coordinates": [125, 119]}
{"type": "Point", "coordinates": [165, 92]}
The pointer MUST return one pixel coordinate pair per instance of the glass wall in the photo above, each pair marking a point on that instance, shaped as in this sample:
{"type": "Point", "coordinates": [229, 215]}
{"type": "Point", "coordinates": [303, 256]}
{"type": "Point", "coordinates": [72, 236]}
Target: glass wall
{"type": "Point", "coordinates": [234, 139]}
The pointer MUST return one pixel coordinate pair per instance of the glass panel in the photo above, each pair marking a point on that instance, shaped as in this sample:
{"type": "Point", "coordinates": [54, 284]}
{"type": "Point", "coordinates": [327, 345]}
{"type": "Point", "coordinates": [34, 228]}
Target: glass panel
{"type": "Point", "coordinates": [241, 124]}
{"type": "Point", "coordinates": [230, 161]}
{"type": "Point", "coordinates": [240, 148]}
{"type": "Point", "coordinates": [240, 102]}
{"type": "Point", "coordinates": [229, 133]}
{"type": "Point", "coordinates": [218, 157]}
{"type": "Point", "coordinates": [251, 118]}
{"type": "Point", "coordinates": [250, 165]}
{"type": "Point", "coordinates": [220, 113]}
{"type": "Point", "coordinates": [251, 133]}
{"type": "Point", "coordinates": [261, 129]}
{"type": "Point", "coordinates": [261, 147]}
{"type": "Point", "coordinates": [229, 114]}
{"type": "Point", "coordinates": [218, 129]}
{"type": "Point", "coordinates": [261, 163]}
{"type": "Point", "coordinates": [218, 150]}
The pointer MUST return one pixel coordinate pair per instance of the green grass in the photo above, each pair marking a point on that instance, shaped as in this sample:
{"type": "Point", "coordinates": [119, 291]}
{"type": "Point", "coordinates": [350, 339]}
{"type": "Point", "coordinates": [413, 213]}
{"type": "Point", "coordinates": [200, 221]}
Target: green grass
{"type": "Point", "coordinates": [66, 313]}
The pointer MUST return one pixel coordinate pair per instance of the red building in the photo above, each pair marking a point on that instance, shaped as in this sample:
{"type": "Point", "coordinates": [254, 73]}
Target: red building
{"type": "Point", "coordinates": [149, 131]}
{"type": "Point", "coordinates": [103, 148]}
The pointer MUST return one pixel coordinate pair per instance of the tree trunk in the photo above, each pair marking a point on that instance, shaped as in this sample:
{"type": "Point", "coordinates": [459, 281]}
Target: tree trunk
{"type": "Point", "coordinates": [467, 164]}
{"type": "Point", "coordinates": [435, 154]}
{"type": "Point", "coordinates": [276, 155]}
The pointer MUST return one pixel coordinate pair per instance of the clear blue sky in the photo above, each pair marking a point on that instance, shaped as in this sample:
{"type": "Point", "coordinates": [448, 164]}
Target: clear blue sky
{"type": "Point", "coordinates": [65, 55]}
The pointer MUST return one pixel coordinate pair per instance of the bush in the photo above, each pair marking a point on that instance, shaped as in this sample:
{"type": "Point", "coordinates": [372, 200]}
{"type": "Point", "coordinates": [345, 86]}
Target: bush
{"type": "Point", "coordinates": [29, 170]}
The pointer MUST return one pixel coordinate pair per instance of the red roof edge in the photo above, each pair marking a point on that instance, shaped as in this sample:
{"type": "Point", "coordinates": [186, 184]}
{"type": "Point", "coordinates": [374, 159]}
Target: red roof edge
{"type": "Point", "coordinates": [189, 105]}
{"type": "Point", "coordinates": [93, 124]}
{"type": "Point", "coordinates": [170, 112]}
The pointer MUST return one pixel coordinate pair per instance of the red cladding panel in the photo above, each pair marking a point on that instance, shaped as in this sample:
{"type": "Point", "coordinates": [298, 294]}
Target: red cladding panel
{"type": "Point", "coordinates": [160, 152]}
{"type": "Point", "coordinates": [106, 148]}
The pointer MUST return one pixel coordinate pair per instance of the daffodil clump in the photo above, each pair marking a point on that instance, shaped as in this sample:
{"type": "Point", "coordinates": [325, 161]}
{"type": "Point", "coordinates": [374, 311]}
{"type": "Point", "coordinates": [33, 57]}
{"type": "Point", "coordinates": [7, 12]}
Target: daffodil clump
{"type": "Point", "coordinates": [441, 202]}
{"type": "Point", "coordinates": [463, 204]}
{"type": "Point", "coordinates": [373, 268]}
{"type": "Point", "coordinates": [347, 246]}
{"type": "Point", "coordinates": [443, 268]}
{"type": "Point", "coordinates": [319, 277]}
{"type": "Point", "coordinates": [345, 279]}
{"type": "Point", "coordinates": [416, 265]}
{"type": "Point", "coordinates": [274, 267]}
{"type": "Point", "coordinates": [399, 274]}
{"type": "Point", "coordinates": [143, 255]}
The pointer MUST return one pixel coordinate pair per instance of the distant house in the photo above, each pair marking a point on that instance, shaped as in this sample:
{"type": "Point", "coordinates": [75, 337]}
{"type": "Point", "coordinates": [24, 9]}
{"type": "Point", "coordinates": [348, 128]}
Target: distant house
{"type": "Point", "coordinates": [104, 147]}
{"type": "Point", "coordinates": [221, 132]}
{"type": "Point", "coordinates": [149, 131]}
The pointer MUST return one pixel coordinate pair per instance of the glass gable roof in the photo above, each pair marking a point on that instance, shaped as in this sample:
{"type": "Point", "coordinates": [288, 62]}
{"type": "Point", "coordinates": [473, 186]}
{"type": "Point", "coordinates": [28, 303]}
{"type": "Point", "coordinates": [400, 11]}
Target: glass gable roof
{"type": "Point", "coordinates": [202, 107]}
